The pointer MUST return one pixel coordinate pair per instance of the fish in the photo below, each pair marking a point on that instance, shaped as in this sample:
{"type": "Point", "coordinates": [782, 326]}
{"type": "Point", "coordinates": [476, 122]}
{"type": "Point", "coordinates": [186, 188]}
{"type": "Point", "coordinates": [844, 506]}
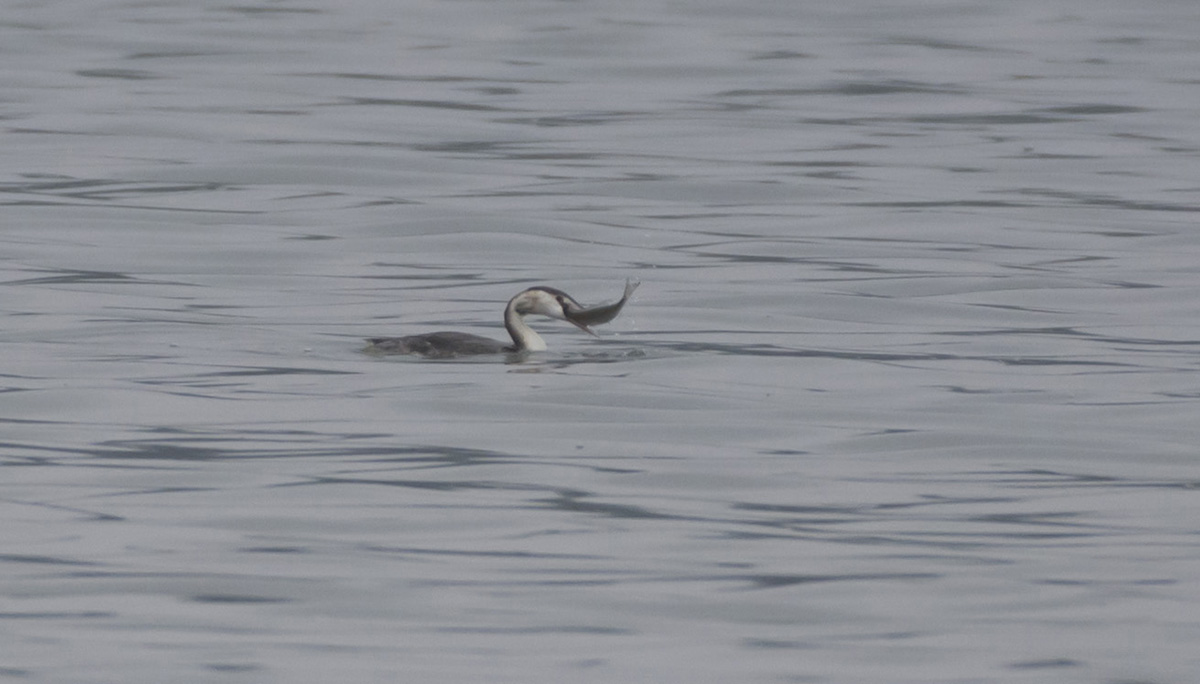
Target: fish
{"type": "Point", "coordinates": [597, 315]}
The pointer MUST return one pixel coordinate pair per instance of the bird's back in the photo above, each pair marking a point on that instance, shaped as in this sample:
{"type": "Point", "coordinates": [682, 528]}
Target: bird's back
{"type": "Point", "coordinates": [438, 345]}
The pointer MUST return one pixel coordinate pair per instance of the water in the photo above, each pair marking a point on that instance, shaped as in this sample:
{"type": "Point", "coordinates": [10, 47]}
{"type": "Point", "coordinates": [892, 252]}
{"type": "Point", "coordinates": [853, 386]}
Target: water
{"type": "Point", "coordinates": [908, 392]}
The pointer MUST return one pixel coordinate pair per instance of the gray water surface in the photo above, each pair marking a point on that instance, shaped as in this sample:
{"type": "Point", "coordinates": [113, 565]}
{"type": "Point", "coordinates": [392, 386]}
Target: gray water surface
{"type": "Point", "coordinates": [908, 394]}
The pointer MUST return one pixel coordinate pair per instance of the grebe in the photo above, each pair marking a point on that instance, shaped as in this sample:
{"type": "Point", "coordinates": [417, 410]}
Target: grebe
{"type": "Point", "coordinates": [541, 300]}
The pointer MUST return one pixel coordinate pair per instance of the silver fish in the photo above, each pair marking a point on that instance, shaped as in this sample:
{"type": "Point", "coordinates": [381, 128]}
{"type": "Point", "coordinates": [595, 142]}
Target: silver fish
{"type": "Point", "coordinates": [597, 315]}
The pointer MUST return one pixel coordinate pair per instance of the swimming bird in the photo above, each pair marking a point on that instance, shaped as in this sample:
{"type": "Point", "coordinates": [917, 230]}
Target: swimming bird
{"type": "Point", "coordinates": [540, 300]}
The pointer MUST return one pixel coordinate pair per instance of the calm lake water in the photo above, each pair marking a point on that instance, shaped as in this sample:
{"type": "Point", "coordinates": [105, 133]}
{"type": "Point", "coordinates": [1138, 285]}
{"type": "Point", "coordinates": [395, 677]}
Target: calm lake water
{"type": "Point", "coordinates": [910, 392]}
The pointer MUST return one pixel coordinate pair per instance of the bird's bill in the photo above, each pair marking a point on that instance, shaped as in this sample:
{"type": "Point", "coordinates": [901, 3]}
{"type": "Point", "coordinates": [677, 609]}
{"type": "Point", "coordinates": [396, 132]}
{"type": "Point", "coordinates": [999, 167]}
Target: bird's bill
{"type": "Point", "coordinates": [581, 326]}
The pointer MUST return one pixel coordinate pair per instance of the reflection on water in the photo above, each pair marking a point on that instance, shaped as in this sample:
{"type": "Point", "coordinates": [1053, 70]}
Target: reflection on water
{"type": "Point", "coordinates": [907, 393]}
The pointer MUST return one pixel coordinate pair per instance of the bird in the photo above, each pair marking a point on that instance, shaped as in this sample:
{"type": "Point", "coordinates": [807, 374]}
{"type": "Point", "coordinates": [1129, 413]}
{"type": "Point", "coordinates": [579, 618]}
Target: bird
{"type": "Point", "coordinates": [540, 300]}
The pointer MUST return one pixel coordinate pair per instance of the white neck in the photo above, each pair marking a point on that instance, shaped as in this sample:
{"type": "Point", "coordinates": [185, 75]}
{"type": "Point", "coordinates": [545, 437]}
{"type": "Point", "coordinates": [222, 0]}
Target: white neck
{"type": "Point", "coordinates": [524, 337]}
